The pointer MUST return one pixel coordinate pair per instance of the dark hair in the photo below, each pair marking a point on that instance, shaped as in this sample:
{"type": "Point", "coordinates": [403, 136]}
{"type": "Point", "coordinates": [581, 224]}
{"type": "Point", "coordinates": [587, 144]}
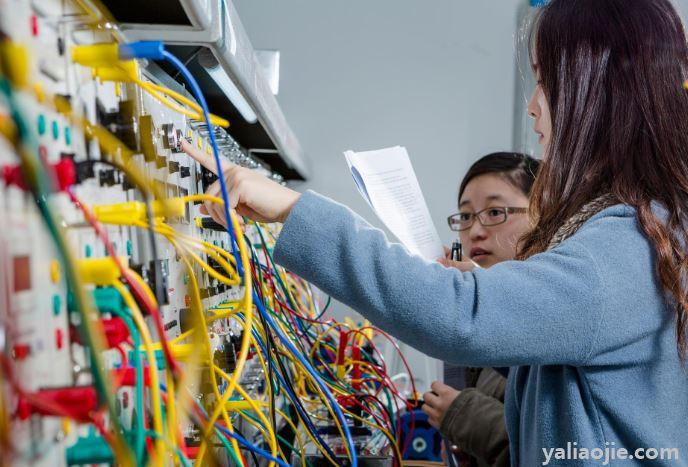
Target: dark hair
{"type": "Point", "coordinates": [612, 73]}
{"type": "Point", "coordinates": [518, 169]}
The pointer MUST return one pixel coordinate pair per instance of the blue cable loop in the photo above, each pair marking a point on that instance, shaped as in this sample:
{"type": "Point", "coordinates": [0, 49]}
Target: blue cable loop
{"type": "Point", "coordinates": [196, 91]}
{"type": "Point", "coordinates": [155, 51]}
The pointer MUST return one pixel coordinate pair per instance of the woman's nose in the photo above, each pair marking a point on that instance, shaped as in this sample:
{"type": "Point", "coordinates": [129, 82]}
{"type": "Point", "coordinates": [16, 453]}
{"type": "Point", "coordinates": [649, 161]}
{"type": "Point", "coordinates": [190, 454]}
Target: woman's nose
{"type": "Point", "coordinates": [478, 231]}
{"type": "Point", "coordinates": [533, 109]}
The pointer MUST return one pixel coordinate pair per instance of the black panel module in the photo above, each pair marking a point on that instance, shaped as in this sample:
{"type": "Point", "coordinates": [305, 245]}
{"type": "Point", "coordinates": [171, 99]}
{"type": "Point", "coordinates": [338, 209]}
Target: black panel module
{"type": "Point", "coordinates": [148, 12]}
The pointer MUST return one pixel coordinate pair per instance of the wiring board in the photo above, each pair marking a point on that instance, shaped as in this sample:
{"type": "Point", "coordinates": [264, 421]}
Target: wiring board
{"type": "Point", "coordinates": [134, 328]}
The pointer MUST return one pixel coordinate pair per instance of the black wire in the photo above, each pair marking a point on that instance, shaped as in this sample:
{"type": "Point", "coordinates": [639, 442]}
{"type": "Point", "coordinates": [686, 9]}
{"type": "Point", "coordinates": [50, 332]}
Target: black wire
{"type": "Point", "coordinates": [271, 346]}
{"type": "Point", "coordinates": [286, 435]}
{"type": "Point", "coordinates": [297, 402]}
{"type": "Point", "coordinates": [253, 454]}
{"type": "Point", "coordinates": [268, 345]}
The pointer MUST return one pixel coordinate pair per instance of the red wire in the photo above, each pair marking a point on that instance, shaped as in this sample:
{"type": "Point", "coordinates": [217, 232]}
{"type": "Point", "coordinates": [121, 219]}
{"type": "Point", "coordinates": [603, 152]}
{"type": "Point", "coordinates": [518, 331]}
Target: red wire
{"type": "Point", "coordinates": [392, 387]}
{"type": "Point", "coordinates": [150, 307]}
{"type": "Point", "coordinates": [123, 364]}
{"type": "Point", "coordinates": [381, 370]}
{"type": "Point", "coordinates": [403, 359]}
{"type": "Point", "coordinates": [51, 406]}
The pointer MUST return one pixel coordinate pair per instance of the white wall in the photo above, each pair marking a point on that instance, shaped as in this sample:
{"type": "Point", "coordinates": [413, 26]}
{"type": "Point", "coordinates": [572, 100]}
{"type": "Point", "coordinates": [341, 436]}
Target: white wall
{"type": "Point", "coordinates": [436, 77]}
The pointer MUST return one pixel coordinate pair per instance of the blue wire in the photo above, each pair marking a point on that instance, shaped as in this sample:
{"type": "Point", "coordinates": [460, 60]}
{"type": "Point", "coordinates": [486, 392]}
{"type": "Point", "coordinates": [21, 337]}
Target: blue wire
{"type": "Point", "coordinates": [316, 377]}
{"type": "Point", "coordinates": [304, 416]}
{"type": "Point", "coordinates": [196, 91]}
{"type": "Point", "coordinates": [198, 94]}
{"type": "Point", "coordinates": [252, 447]}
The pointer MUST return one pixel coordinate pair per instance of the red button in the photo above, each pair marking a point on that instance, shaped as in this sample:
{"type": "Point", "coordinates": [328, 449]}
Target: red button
{"type": "Point", "coordinates": [21, 351]}
{"type": "Point", "coordinates": [125, 400]}
{"type": "Point", "coordinates": [58, 338]}
{"type": "Point", "coordinates": [34, 25]}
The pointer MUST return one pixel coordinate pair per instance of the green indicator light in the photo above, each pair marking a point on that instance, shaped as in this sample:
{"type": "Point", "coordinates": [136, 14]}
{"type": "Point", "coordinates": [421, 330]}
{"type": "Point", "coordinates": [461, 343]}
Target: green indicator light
{"type": "Point", "coordinates": [57, 305]}
{"type": "Point", "coordinates": [56, 130]}
{"type": "Point", "coordinates": [41, 124]}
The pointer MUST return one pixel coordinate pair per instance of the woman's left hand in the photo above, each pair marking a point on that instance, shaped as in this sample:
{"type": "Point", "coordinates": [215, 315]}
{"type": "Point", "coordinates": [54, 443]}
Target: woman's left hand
{"type": "Point", "coordinates": [437, 402]}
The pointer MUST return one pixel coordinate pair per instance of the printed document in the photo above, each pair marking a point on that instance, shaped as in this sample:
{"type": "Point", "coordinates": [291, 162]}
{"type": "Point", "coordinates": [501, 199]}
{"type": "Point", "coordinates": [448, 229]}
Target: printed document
{"type": "Point", "coordinates": [388, 183]}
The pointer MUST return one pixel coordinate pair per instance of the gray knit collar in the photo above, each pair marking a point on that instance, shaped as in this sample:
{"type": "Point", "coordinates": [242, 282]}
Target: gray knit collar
{"type": "Point", "coordinates": [586, 212]}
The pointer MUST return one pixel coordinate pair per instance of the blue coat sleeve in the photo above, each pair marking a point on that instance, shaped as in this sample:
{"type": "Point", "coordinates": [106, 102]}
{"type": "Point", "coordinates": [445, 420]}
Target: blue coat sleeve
{"type": "Point", "coordinates": [545, 310]}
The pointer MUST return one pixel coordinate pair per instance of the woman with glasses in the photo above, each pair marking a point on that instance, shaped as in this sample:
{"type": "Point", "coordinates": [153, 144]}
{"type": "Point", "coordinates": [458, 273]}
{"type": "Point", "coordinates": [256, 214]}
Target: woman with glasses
{"type": "Point", "coordinates": [492, 217]}
{"type": "Point", "coordinates": [593, 318]}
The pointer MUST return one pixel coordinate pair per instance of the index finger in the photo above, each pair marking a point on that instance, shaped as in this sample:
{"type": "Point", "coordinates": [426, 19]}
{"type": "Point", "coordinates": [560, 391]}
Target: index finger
{"type": "Point", "coordinates": [203, 158]}
{"type": "Point", "coordinates": [439, 387]}
{"type": "Point", "coordinates": [431, 399]}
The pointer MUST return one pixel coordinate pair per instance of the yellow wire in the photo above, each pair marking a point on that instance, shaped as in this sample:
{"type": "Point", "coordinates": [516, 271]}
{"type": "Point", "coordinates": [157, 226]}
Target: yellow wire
{"type": "Point", "coordinates": [120, 450]}
{"type": "Point", "coordinates": [247, 305]}
{"type": "Point", "coordinates": [209, 355]}
{"type": "Point", "coordinates": [156, 399]}
{"type": "Point", "coordinates": [201, 338]}
{"type": "Point", "coordinates": [204, 197]}
{"type": "Point", "coordinates": [272, 440]}
{"type": "Point", "coordinates": [384, 431]}
{"type": "Point", "coordinates": [155, 91]}
{"type": "Point", "coordinates": [170, 235]}
{"type": "Point", "coordinates": [298, 436]}
{"type": "Point", "coordinates": [270, 389]}
{"type": "Point", "coordinates": [209, 249]}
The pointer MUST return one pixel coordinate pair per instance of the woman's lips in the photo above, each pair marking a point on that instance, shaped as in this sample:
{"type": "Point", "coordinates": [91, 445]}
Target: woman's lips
{"type": "Point", "coordinates": [479, 254]}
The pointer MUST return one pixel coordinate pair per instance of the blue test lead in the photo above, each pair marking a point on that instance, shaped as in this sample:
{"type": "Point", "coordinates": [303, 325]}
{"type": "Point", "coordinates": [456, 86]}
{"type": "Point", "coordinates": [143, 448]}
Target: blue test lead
{"type": "Point", "coordinates": [155, 50]}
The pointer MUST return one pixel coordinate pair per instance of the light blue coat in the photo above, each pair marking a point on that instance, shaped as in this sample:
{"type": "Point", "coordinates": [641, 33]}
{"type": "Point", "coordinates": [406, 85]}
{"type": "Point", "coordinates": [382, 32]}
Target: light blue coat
{"type": "Point", "coordinates": [585, 327]}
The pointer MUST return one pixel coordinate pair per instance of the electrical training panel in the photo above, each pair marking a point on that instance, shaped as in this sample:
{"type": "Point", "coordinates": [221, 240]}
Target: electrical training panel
{"type": "Point", "coordinates": [134, 328]}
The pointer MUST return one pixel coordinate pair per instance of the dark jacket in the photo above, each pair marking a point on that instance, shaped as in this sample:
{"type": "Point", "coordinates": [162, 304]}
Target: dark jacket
{"type": "Point", "coordinates": [475, 421]}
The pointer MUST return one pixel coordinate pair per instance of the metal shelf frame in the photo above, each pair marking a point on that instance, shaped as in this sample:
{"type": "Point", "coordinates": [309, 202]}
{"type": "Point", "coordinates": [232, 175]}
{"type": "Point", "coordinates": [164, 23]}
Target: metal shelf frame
{"type": "Point", "coordinates": [216, 25]}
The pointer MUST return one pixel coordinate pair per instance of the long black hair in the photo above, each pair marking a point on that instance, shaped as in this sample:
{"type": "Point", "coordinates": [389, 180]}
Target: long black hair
{"type": "Point", "coordinates": [612, 72]}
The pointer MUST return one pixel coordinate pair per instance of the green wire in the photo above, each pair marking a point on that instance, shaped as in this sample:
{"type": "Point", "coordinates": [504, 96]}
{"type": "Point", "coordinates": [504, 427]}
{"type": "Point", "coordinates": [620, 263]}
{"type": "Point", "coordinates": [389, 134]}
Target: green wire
{"type": "Point", "coordinates": [179, 452]}
{"type": "Point", "coordinates": [138, 366]}
{"type": "Point", "coordinates": [228, 448]}
{"type": "Point", "coordinates": [41, 188]}
{"type": "Point", "coordinates": [289, 445]}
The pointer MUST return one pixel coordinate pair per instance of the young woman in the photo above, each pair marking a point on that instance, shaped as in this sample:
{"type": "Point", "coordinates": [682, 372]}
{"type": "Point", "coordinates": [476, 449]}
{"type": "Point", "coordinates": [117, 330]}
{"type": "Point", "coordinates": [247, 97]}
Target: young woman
{"type": "Point", "coordinates": [492, 217]}
{"type": "Point", "coordinates": [593, 319]}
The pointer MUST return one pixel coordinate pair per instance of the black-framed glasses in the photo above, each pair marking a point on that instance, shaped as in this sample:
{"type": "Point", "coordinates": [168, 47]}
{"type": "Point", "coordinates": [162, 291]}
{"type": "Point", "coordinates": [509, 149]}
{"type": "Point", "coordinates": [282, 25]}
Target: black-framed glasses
{"type": "Point", "coordinates": [487, 217]}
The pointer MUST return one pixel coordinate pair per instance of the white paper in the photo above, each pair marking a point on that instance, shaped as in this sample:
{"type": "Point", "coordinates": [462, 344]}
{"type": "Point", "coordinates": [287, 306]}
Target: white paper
{"type": "Point", "coordinates": [386, 180]}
